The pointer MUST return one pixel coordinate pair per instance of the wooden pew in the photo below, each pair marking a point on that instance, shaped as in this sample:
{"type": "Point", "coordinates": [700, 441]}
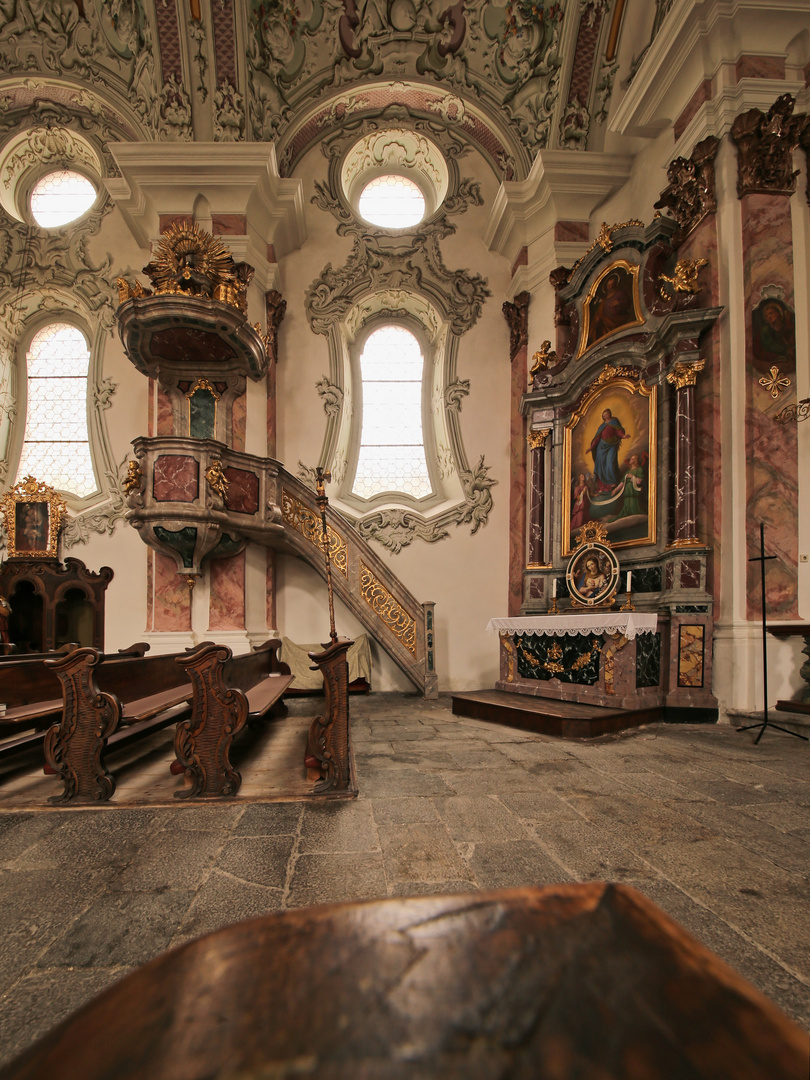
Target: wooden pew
{"type": "Point", "coordinates": [108, 705]}
{"type": "Point", "coordinates": [32, 694]}
{"type": "Point", "coordinates": [228, 693]}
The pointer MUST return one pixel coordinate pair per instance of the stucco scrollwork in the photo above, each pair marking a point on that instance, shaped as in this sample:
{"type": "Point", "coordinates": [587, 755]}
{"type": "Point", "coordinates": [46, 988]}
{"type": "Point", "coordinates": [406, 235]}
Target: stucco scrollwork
{"type": "Point", "coordinates": [330, 395]}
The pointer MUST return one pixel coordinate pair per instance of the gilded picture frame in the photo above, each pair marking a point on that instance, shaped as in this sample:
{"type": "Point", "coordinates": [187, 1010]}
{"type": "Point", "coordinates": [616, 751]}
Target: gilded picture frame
{"type": "Point", "coordinates": [33, 514]}
{"type": "Point", "coordinates": [613, 303]}
{"type": "Point", "coordinates": [610, 461]}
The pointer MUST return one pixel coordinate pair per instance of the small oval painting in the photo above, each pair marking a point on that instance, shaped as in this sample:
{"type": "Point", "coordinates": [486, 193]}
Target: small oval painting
{"type": "Point", "coordinates": [592, 576]}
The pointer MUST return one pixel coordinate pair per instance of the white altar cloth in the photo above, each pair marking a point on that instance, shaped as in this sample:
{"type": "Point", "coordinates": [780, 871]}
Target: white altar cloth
{"type": "Point", "coordinates": [628, 623]}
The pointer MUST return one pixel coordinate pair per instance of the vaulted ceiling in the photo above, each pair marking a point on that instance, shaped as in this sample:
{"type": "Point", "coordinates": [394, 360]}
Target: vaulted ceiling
{"type": "Point", "coordinates": [512, 76]}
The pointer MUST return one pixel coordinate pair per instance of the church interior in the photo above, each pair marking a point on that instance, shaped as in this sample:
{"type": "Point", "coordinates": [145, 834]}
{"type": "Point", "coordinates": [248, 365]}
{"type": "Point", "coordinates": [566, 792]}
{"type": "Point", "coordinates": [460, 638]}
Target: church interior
{"type": "Point", "coordinates": [440, 369]}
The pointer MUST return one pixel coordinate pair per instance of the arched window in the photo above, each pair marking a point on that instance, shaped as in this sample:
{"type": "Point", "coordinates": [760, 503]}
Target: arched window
{"type": "Point", "coordinates": [391, 457]}
{"type": "Point", "coordinates": [56, 446]}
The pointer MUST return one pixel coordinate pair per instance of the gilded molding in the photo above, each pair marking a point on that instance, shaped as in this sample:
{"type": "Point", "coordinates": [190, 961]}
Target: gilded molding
{"type": "Point", "coordinates": [304, 521]}
{"type": "Point", "coordinates": [380, 600]}
{"type": "Point", "coordinates": [685, 373]}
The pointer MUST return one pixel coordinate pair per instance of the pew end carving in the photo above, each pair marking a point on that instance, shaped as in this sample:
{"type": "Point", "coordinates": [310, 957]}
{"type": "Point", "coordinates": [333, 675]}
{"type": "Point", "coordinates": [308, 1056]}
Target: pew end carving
{"type": "Point", "coordinates": [202, 743]}
{"type": "Point", "coordinates": [74, 747]}
{"type": "Point", "coordinates": [328, 757]}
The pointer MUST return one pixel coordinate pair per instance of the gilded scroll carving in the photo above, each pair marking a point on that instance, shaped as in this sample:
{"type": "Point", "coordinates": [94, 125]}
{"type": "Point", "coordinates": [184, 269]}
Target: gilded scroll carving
{"type": "Point", "coordinates": [398, 621]}
{"type": "Point", "coordinates": [303, 520]}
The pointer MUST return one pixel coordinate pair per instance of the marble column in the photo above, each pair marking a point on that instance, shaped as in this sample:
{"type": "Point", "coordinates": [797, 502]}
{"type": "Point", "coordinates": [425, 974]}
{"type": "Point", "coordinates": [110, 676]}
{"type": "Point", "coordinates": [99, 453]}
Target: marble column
{"type": "Point", "coordinates": [683, 377]}
{"type": "Point", "coordinates": [537, 499]}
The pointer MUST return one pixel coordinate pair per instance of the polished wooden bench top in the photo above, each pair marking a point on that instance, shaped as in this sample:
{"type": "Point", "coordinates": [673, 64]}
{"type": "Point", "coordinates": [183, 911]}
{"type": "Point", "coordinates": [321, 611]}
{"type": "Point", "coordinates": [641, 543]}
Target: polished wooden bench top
{"type": "Point", "coordinates": [589, 981]}
{"type": "Point", "coordinates": [262, 695]}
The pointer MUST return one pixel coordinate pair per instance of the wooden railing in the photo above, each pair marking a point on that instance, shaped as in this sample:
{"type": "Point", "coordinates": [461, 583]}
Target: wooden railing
{"type": "Point", "coordinates": [181, 507]}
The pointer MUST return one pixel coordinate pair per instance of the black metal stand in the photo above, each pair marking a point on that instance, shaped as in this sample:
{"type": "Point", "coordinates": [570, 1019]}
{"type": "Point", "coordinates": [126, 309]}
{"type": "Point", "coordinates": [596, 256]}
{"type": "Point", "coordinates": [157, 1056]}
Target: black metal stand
{"type": "Point", "coordinates": [762, 558]}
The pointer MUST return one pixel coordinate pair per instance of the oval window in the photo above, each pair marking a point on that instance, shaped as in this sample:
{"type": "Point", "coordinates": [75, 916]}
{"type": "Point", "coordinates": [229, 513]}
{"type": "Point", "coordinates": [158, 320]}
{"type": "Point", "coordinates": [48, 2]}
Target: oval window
{"type": "Point", "coordinates": [392, 202]}
{"type": "Point", "coordinates": [61, 197]}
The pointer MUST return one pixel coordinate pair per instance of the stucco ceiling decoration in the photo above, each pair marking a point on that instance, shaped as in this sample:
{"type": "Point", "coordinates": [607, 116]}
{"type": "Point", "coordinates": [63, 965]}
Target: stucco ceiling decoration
{"type": "Point", "coordinates": [503, 56]}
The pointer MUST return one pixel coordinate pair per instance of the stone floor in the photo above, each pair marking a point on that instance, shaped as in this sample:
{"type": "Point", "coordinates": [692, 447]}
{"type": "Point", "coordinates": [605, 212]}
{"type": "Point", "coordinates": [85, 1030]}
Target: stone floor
{"type": "Point", "coordinates": [712, 828]}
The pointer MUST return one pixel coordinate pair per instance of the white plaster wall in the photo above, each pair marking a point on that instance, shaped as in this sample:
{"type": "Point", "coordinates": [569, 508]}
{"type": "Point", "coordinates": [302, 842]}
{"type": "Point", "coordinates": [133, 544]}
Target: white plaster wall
{"type": "Point", "coordinates": [466, 576]}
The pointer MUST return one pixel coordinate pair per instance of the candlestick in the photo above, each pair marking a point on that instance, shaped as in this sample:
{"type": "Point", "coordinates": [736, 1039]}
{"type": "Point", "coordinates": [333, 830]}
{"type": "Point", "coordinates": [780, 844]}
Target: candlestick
{"type": "Point", "coordinates": [553, 588]}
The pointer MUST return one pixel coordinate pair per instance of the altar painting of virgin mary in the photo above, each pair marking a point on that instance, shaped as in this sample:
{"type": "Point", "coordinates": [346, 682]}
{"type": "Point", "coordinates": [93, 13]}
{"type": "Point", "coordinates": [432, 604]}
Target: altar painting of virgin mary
{"type": "Point", "coordinates": [609, 463]}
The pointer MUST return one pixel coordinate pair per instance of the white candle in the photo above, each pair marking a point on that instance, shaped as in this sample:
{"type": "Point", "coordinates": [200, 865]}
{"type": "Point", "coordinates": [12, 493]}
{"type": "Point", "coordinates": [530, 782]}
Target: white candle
{"type": "Point", "coordinates": [553, 588]}
{"type": "Point", "coordinates": [629, 581]}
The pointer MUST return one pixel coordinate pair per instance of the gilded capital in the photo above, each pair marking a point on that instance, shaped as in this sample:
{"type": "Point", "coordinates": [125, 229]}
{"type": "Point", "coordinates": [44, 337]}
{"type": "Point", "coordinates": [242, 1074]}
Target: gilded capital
{"type": "Point", "coordinates": [537, 439]}
{"type": "Point", "coordinates": [685, 373]}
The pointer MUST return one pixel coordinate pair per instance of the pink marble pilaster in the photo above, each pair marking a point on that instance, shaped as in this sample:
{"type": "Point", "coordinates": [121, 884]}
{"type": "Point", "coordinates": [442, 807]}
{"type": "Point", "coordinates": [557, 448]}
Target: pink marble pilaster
{"type": "Point", "coordinates": [271, 409]}
{"type": "Point", "coordinates": [238, 421]}
{"type": "Point", "coordinates": [772, 463]}
{"type": "Point", "coordinates": [517, 483]}
{"type": "Point", "coordinates": [171, 608]}
{"type": "Point", "coordinates": [165, 414]}
{"type": "Point", "coordinates": [271, 589]}
{"type": "Point", "coordinates": [226, 609]}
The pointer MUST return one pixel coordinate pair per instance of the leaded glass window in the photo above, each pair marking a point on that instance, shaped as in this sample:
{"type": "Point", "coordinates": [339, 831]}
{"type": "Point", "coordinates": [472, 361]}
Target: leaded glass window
{"type": "Point", "coordinates": [392, 449]}
{"type": "Point", "coordinates": [60, 197]}
{"type": "Point", "coordinates": [56, 446]}
{"type": "Point", "coordinates": [392, 202]}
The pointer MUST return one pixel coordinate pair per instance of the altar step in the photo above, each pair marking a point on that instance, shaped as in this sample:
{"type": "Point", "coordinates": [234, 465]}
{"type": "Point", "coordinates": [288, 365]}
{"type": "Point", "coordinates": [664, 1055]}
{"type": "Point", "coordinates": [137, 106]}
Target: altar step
{"type": "Point", "coordinates": [549, 716]}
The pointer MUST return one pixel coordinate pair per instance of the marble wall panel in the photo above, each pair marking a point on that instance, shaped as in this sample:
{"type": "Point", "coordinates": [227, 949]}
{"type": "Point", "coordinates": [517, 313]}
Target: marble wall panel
{"type": "Point", "coordinates": [238, 422]}
{"type": "Point", "coordinates": [175, 478]}
{"type": "Point", "coordinates": [243, 490]}
{"type": "Point", "coordinates": [517, 484]}
{"type": "Point", "coordinates": [172, 596]}
{"type": "Point", "coordinates": [772, 465]}
{"type": "Point", "coordinates": [165, 414]}
{"type": "Point", "coordinates": [226, 610]}
{"type": "Point", "coordinates": [690, 574]}
{"type": "Point", "coordinates": [690, 654]}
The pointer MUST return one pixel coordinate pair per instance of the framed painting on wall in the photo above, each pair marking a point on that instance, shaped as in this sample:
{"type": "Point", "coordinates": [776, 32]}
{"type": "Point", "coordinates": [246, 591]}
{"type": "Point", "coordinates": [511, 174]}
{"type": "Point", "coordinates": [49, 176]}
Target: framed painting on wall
{"type": "Point", "coordinates": [609, 461]}
{"type": "Point", "coordinates": [612, 304]}
{"type": "Point", "coordinates": [32, 515]}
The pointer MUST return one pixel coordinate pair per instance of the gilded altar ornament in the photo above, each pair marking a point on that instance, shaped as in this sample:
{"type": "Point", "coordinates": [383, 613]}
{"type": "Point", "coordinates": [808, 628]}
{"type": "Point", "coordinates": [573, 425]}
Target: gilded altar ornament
{"type": "Point", "coordinates": [685, 278]}
{"type": "Point", "coordinates": [191, 262]}
{"type": "Point", "coordinates": [386, 607]}
{"type": "Point", "coordinates": [537, 439]}
{"type": "Point", "coordinates": [135, 291]}
{"type": "Point", "coordinates": [798, 411]}
{"type": "Point", "coordinates": [774, 383]}
{"type": "Point", "coordinates": [304, 521]}
{"type": "Point", "coordinates": [604, 240]}
{"type": "Point", "coordinates": [216, 478]}
{"type": "Point", "coordinates": [541, 360]}
{"type": "Point", "coordinates": [203, 384]}
{"type": "Point", "coordinates": [33, 514]}
{"type": "Point", "coordinates": [133, 479]}
{"type": "Point", "coordinates": [685, 373]}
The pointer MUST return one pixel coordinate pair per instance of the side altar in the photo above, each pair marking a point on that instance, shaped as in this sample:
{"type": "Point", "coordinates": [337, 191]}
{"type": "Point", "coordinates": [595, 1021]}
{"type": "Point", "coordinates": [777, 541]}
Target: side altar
{"type": "Point", "coordinates": [608, 658]}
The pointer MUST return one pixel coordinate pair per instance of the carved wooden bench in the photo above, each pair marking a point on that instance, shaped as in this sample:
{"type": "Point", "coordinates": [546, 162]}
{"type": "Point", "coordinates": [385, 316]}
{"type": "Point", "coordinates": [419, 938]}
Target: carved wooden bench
{"type": "Point", "coordinates": [32, 694]}
{"type": "Point", "coordinates": [228, 693]}
{"type": "Point", "coordinates": [105, 707]}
